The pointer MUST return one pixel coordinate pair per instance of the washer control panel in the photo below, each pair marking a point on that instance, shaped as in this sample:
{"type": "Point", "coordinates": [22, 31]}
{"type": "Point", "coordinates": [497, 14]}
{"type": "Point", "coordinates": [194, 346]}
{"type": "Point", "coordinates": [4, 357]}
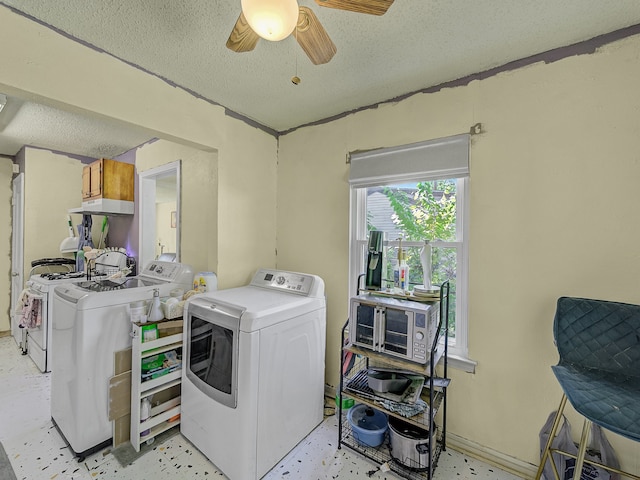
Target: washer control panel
{"type": "Point", "coordinates": [299, 283]}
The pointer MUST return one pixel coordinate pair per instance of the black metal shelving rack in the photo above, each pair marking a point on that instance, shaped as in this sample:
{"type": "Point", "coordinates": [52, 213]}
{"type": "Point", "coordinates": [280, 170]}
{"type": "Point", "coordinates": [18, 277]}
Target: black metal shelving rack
{"type": "Point", "coordinates": [353, 384]}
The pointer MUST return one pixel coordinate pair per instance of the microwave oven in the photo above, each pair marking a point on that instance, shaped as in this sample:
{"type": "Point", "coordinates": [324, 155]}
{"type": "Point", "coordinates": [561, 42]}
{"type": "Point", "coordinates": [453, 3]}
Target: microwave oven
{"type": "Point", "coordinates": [400, 328]}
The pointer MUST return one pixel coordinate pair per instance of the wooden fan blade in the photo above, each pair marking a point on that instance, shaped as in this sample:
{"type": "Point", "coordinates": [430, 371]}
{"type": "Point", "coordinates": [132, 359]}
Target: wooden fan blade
{"type": "Point", "coordinates": [371, 7]}
{"type": "Point", "coordinates": [242, 38]}
{"type": "Point", "coordinates": [313, 38]}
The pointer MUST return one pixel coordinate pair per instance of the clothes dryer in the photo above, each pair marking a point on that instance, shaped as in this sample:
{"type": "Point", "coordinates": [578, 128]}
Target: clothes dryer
{"type": "Point", "coordinates": [253, 377]}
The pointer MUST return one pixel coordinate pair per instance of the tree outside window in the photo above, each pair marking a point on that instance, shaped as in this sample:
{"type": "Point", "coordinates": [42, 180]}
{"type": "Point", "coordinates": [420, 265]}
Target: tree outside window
{"type": "Point", "coordinates": [415, 213]}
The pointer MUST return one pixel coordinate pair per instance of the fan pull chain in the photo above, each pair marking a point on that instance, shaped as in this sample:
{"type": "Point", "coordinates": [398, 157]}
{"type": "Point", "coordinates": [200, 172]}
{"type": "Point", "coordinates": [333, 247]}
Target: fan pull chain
{"type": "Point", "coordinates": [296, 79]}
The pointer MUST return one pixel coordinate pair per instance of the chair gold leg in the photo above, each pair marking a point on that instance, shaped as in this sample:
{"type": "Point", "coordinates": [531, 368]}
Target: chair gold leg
{"type": "Point", "coordinates": [582, 449]}
{"type": "Point", "coordinates": [554, 429]}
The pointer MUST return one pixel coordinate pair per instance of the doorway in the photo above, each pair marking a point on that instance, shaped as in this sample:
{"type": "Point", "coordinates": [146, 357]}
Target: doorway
{"type": "Point", "coordinates": [160, 213]}
{"type": "Point", "coordinates": [17, 253]}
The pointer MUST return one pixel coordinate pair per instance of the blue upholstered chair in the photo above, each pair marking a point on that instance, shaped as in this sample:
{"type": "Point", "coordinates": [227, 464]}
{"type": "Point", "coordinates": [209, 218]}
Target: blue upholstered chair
{"type": "Point", "coordinates": [599, 370]}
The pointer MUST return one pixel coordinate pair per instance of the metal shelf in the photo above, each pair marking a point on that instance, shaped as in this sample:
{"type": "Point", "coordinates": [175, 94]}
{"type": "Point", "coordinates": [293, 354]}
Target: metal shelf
{"type": "Point", "coordinates": [382, 454]}
{"type": "Point", "coordinates": [396, 362]}
{"type": "Point", "coordinates": [354, 384]}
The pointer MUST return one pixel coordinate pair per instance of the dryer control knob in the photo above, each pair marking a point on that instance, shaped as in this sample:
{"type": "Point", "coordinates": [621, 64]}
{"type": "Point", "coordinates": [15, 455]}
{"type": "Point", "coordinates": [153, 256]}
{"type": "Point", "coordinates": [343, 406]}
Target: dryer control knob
{"type": "Point", "coordinates": [280, 280]}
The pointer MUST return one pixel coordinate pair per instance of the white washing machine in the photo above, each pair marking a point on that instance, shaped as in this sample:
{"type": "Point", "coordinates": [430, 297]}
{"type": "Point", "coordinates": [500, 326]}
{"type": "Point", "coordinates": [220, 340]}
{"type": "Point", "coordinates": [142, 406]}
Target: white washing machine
{"type": "Point", "coordinates": [253, 382]}
{"type": "Point", "coordinates": [91, 321]}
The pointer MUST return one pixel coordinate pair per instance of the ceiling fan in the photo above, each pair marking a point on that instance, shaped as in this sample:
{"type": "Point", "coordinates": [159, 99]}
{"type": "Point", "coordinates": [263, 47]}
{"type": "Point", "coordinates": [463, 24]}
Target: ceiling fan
{"type": "Point", "coordinates": [288, 18]}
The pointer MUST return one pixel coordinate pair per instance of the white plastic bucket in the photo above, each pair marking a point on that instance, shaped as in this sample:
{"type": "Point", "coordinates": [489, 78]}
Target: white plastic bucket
{"type": "Point", "coordinates": [205, 282]}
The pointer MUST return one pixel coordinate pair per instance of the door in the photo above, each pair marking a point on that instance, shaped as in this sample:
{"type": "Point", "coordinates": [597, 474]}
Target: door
{"type": "Point", "coordinates": [86, 182]}
{"type": "Point", "coordinates": [37, 335]}
{"type": "Point", "coordinates": [397, 331]}
{"type": "Point", "coordinates": [212, 349]}
{"type": "Point", "coordinates": [17, 255]}
{"type": "Point", "coordinates": [95, 179]}
{"type": "Point", "coordinates": [159, 187]}
{"type": "Point", "coordinates": [363, 323]}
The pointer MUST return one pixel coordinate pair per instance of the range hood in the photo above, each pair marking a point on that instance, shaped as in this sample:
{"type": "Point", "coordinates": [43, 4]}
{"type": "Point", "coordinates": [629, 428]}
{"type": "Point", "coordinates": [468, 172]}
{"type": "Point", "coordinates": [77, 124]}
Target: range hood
{"type": "Point", "coordinates": [69, 245]}
{"type": "Point", "coordinates": [105, 206]}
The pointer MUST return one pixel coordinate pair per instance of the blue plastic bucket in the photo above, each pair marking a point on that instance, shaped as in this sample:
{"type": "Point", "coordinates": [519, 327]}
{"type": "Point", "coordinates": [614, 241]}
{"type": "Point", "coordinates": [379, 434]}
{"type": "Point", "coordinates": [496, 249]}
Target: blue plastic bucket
{"type": "Point", "coordinates": [368, 425]}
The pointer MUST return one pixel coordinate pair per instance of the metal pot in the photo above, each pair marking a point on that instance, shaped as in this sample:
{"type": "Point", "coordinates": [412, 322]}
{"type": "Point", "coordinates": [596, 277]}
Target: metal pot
{"type": "Point", "coordinates": [409, 445]}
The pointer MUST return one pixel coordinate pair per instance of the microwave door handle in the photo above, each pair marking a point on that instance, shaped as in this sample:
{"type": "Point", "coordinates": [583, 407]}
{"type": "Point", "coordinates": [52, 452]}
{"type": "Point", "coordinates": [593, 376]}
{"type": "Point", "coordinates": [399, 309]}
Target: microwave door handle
{"type": "Point", "coordinates": [382, 318]}
{"type": "Point", "coordinates": [376, 328]}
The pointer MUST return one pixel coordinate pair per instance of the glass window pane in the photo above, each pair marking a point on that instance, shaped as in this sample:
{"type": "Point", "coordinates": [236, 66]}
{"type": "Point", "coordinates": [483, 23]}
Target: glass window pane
{"type": "Point", "coordinates": [444, 261]}
{"type": "Point", "coordinates": [415, 212]}
{"type": "Point", "coordinates": [211, 356]}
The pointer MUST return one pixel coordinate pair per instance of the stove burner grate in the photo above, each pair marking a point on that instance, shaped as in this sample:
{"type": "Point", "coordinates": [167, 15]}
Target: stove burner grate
{"type": "Point", "coordinates": [61, 276]}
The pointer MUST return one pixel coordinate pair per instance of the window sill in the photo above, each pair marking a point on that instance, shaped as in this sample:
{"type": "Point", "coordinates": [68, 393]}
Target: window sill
{"type": "Point", "coordinates": [462, 363]}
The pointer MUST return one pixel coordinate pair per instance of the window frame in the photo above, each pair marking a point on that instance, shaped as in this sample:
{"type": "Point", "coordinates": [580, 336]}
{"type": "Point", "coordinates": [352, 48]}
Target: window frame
{"type": "Point", "coordinates": [437, 154]}
{"type": "Point", "coordinates": [358, 246]}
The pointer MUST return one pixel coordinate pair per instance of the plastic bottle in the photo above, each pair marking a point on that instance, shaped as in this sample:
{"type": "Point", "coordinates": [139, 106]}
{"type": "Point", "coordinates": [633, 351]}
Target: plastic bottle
{"type": "Point", "coordinates": [403, 273]}
{"type": "Point", "coordinates": [205, 282]}
{"type": "Point", "coordinates": [145, 412]}
{"type": "Point", "coordinates": [396, 275]}
{"type": "Point", "coordinates": [396, 267]}
{"type": "Point", "coordinates": [155, 310]}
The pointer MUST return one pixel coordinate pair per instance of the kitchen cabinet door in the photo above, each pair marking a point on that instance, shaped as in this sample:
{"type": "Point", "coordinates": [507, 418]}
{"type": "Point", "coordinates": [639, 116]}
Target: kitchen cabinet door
{"type": "Point", "coordinates": [95, 181]}
{"type": "Point", "coordinates": [106, 178]}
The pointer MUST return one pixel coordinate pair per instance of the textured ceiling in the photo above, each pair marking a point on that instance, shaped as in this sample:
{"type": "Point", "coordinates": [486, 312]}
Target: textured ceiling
{"type": "Point", "coordinates": [415, 45]}
{"type": "Point", "coordinates": [27, 123]}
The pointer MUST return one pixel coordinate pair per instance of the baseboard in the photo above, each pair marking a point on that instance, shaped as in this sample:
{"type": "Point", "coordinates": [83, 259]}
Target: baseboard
{"type": "Point", "coordinates": [329, 391]}
{"type": "Point", "coordinates": [5, 333]}
{"type": "Point", "coordinates": [504, 462]}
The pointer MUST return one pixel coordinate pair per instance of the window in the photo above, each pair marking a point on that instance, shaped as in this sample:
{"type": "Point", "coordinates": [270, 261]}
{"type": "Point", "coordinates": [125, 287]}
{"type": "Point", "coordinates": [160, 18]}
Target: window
{"type": "Point", "coordinates": [415, 193]}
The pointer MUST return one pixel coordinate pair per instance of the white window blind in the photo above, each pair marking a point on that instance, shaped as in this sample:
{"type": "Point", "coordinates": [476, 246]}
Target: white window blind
{"type": "Point", "coordinates": [446, 157]}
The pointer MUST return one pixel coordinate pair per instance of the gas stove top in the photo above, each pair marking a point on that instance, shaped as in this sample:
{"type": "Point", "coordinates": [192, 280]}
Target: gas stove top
{"type": "Point", "coordinates": [61, 275]}
{"type": "Point", "coordinates": [42, 282]}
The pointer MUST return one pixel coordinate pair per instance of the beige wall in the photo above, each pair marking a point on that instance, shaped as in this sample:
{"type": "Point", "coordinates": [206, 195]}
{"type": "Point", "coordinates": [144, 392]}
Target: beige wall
{"type": "Point", "coordinates": [246, 204]}
{"type": "Point", "coordinates": [554, 198]}
{"type": "Point", "coordinates": [6, 173]}
{"type": "Point", "coordinates": [228, 202]}
{"type": "Point", "coordinates": [199, 178]}
{"type": "Point", "coordinates": [52, 185]}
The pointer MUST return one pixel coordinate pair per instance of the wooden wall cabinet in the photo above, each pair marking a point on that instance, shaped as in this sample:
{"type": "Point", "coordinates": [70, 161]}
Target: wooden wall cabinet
{"type": "Point", "coordinates": [110, 179]}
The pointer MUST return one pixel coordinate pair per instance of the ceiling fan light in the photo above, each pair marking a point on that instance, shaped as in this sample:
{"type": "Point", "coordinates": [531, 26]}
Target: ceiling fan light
{"type": "Point", "coordinates": [271, 19]}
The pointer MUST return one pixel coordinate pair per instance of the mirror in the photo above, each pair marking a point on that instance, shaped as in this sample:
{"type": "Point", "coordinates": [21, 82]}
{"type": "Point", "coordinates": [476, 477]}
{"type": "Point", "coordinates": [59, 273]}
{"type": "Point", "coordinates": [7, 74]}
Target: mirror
{"type": "Point", "coordinates": [159, 213]}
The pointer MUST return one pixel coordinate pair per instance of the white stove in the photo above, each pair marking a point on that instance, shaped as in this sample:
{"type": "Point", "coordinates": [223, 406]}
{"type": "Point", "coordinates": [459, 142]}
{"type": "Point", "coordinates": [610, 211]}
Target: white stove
{"type": "Point", "coordinates": [37, 340]}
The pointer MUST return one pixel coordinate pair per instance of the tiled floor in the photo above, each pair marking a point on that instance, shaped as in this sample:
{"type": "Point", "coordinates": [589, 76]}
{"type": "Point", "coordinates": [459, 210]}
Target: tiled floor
{"type": "Point", "coordinates": [38, 452]}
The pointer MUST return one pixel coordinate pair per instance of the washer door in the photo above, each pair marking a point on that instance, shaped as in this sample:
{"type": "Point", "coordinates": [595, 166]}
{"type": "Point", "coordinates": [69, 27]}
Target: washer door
{"type": "Point", "coordinates": [212, 348]}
